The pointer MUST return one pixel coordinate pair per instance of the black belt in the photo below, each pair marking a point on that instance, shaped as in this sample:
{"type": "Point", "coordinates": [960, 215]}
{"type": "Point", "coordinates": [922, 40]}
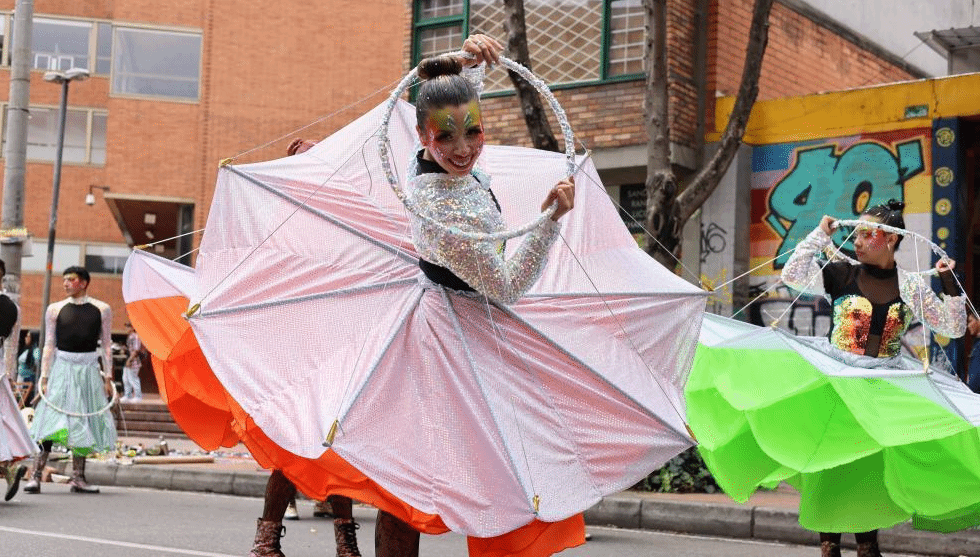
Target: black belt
{"type": "Point", "coordinates": [443, 276]}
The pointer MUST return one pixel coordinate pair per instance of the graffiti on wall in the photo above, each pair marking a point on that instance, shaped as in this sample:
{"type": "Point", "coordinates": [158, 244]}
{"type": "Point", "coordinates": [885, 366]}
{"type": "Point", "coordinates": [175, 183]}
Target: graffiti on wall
{"type": "Point", "coordinates": [795, 185]}
{"type": "Point", "coordinates": [713, 240]}
{"type": "Point", "coordinates": [841, 183]}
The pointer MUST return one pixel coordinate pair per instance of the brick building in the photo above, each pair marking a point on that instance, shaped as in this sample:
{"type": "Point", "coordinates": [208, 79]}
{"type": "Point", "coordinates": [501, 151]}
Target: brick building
{"type": "Point", "coordinates": [175, 87]}
{"type": "Point", "coordinates": [178, 86]}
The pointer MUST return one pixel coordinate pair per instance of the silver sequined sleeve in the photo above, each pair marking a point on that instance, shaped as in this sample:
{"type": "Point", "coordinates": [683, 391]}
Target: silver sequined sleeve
{"type": "Point", "coordinates": [943, 314]}
{"type": "Point", "coordinates": [803, 271]}
{"type": "Point", "coordinates": [484, 268]}
{"type": "Point", "coordinates": [463, 203]}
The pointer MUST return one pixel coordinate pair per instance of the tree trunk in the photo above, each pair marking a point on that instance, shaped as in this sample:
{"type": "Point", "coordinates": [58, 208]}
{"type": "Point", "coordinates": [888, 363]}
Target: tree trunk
{"type": "Point", "coordinates": [534, 115]}
{"type": "Point", "coordinates": [661, 184]}
{"type": "Point", "coordinates": [668, 209]}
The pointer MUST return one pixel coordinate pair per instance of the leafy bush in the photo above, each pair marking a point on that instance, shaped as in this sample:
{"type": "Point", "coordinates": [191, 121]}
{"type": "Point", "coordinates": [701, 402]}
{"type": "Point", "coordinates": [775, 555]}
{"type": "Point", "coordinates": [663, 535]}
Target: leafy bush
{"type": "Point", "coordinates": [685, 473]}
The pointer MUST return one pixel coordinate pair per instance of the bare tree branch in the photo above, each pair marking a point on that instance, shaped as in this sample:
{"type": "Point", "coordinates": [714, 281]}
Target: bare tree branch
{"type": "Point", "coordinates": [534, 115]}
{"type": "Point", "coordinates": [668, 210]}
{"type": "Point", "coordinates": [707, 180]}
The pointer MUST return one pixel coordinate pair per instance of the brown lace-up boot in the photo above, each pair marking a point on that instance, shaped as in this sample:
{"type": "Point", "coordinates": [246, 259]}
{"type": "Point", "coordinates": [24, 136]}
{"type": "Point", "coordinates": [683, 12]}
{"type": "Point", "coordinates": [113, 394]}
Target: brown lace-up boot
{"type": "Point", "coordinates": [345, 530]}
{"type": "Point", "coordinates": [267, 536]}
{"type": "Point", "coordinates": [394, 538]}
{"type": "Point", "coordinates": [77, 482]}
{"type": "Point", "coordinates": [868, 549]}
{"type": "Point", "coordinates": [829, 549]}
{"type": "Point", "coordinates": [34, 484]}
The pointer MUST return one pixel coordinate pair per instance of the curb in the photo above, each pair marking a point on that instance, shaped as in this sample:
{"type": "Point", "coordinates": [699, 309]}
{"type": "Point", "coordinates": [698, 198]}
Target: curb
{"type": "Point", "coordinates": [244, 484]}
{"type": "Point", "coordinates": [763, 523]}
{"type": "Point", "coordinates": [623, 511]}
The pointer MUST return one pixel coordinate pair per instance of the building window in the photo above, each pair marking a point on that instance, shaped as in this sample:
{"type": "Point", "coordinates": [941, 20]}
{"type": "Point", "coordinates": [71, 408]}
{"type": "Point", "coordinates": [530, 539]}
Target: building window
{"type": "Point", "coordinates": [85, 135]}
{"type": "Point", "coordinates": [106, 259]}
{"type": "Point", "coordinates": [627, 37]}
{"type": "Point", "coordinates": [156, 63]}
{"type": "Point", "coordinates": [429, 9]}
{"type": "Point", "coordinates": [4, 40]}
{"type": "Point", "coordinates": [65, 255]}
{"type": "Point", "coordinates": [96, 258]}
{"type": "Point", "coordinates": [142, 61]}
{"type": "Point", "coordinates": [97, 152]}
{"type": "Point", "coordinates": [439, 26]}
{"type": "Point", "coordinates": [60, 44]}
{"type": "Point", "coordinates": [569, 42]}
{"type": "Point", "coordinates": [103, 49]}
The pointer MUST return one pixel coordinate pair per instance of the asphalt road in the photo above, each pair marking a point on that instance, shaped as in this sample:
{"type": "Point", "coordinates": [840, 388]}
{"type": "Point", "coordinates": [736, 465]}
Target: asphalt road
{"type": "Point", "coordinates": [140, 522]}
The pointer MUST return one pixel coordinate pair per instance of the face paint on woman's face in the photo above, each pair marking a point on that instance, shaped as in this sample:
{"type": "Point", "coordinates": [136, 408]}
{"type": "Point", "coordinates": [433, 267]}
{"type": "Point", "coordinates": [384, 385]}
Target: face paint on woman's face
{"type": "Point", "coordinates": [453, 137]}
{"type": "Point", "coordinates": [870, 242]}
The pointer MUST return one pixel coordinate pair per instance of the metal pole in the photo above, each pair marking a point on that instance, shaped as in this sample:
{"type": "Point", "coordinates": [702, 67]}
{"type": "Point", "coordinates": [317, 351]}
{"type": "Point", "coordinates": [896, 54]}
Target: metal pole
{"type": "Point", "coordinates": [15, 152]}
{"type": "Point", "coordinates": [53, 222]}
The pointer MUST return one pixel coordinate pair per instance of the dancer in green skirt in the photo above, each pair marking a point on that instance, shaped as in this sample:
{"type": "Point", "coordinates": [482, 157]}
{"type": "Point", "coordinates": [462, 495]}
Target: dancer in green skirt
{"type": "Point", "coordinates": [75, 388]}
{"type": "Point", "coordinates": [873, 305]}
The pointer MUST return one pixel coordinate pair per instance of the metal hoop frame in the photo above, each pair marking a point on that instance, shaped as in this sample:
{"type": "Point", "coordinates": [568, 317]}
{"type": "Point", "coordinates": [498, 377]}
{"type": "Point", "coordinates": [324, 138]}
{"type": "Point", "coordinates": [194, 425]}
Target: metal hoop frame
{"type": "Point", "coordinates": [100, 411]}
{"type": "Point", "coordinates": [385, 153]}
{"type": "Point", "coordinates": [900, 231]}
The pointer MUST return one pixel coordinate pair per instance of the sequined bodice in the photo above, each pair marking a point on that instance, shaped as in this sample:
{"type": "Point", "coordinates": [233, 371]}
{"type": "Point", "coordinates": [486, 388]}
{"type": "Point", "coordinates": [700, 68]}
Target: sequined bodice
{"type": "Point", "coordinates": [451, 204]}
{"type": "Point", "coordinates": [855, 321]}
{"type": "Point", "coordinates": [873, 307]}
{"type": "Point", "coordinates": [461, 202]}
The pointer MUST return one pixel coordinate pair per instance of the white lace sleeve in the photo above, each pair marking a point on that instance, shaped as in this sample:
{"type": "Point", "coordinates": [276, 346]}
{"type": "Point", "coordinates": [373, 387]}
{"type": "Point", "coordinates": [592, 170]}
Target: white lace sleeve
{"type": "Point", "coordinates": [944, 314]}
{"type": "Point", "coordinates": [803, 271]}
{"type": "Point", "coordinates": [50, 322]}
{"type": "Point", "coordinates": [105, 336]}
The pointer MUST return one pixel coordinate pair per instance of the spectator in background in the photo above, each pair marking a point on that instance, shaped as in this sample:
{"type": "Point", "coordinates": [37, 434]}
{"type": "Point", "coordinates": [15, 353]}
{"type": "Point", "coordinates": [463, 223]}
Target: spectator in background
{"type": "Point", "coordinates": [27, 364]}
{"type": "Point", "coordinates": [132, 391]}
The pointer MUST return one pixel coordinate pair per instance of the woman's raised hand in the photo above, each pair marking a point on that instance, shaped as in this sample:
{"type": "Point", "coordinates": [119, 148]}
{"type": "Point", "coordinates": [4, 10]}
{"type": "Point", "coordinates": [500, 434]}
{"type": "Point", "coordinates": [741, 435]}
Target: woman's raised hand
{"type": "Point", "coordinates": [484, 47]}
{"type": "Point", "coordinates": [827, 224]}
{"type": "Point", "coordinates": [564, 194]}
{"type": "Point", "coordinates": [945, 265]}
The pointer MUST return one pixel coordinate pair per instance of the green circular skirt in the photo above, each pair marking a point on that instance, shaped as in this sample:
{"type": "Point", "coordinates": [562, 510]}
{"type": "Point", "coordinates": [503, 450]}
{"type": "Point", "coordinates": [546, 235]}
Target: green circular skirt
{"type": "Point", "coordinates": [73, 414]}
{"type": "Point", "coordinates": [866, 448]}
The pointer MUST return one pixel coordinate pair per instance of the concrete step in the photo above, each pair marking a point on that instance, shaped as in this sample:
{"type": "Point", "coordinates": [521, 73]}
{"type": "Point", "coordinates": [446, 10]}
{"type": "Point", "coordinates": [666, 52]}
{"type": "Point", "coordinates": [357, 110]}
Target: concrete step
{"type": "Point", "coordinates": [147, 417]}
{"type": "Point", "coordinates": [130, 429]}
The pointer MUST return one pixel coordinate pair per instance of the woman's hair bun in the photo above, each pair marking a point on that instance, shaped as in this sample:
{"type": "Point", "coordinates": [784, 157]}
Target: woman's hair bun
{"type": "Point", "coordinates": [895, 205]}
{"type": "Point", "coordinates": [433, 67]}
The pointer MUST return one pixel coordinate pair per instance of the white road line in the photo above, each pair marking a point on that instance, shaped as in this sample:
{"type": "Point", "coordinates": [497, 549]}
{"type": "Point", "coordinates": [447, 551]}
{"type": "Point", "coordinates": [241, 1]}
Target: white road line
{"type": "Point", "coordinates": [115, 543]}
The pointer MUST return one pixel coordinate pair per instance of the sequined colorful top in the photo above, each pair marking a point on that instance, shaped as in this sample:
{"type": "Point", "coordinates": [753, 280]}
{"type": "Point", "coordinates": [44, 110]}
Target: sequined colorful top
{"type": "Point", "coordinates": [466, 203]}
{"type": "Point", "coordinates": [873, 307]}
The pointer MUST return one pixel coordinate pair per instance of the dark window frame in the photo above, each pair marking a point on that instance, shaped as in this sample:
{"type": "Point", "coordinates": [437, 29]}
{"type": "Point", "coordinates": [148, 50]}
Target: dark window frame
{"type": "Point", "coordinates": [463, 21]}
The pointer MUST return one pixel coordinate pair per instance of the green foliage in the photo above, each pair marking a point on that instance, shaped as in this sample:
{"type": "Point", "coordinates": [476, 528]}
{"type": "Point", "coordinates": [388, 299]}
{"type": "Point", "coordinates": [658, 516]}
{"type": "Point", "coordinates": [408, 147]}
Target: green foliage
{"type": "Point", "coordinates": [685, 473]}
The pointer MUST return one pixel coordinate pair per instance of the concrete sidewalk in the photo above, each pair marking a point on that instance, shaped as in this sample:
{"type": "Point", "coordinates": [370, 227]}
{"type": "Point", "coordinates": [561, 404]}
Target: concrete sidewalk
{"type": "Point", "coordinates": [768, 516]}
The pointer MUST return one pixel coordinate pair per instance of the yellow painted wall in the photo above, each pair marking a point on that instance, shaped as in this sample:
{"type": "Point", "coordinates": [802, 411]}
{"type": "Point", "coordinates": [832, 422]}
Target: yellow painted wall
{"type": "Point", "coordinates": [866, 110]}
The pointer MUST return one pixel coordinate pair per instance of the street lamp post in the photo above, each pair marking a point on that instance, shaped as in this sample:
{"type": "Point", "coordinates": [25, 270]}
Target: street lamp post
{"type": "Point", "coordinates": [62, 78]}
